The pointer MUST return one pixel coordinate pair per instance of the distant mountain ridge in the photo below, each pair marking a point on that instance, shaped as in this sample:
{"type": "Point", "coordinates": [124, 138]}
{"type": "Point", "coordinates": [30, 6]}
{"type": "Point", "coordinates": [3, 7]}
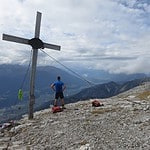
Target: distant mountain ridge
{"type": "Point", "coordinates": [106, 90]}
{"type": "Point", "coordinates": [101, 91]}
{"type": "Point", "coordinates": [101, 76]}
{"type": "Point", "coordinates": [11, 77]}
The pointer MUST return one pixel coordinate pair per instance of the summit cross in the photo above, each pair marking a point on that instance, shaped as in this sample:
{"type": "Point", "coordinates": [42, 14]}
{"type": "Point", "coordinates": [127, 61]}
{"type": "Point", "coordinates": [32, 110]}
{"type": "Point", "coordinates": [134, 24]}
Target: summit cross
{"type": "Point", "coordinates": [36, 44]}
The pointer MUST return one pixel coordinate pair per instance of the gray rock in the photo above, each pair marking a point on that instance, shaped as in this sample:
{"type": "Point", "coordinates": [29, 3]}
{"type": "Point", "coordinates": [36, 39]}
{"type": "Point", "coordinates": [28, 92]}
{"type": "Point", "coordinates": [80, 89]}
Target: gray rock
{"type": "Point", "coordinates": [122, 123]}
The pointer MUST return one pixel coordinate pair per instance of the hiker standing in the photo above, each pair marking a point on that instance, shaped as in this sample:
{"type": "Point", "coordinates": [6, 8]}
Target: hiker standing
{"type": "Point", "coordinates": [59, 87]}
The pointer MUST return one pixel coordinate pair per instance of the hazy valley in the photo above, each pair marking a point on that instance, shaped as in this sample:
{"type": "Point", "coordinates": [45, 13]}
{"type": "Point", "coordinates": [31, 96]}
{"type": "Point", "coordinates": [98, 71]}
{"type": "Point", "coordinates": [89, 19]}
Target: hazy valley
{"type": "Point", "coordinates": [12, 76]}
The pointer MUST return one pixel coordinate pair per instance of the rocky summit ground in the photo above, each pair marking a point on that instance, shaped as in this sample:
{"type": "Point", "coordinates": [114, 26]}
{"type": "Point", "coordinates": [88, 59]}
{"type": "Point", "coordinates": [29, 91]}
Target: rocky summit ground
{"type": "Point", "coordinates": [123, 123]}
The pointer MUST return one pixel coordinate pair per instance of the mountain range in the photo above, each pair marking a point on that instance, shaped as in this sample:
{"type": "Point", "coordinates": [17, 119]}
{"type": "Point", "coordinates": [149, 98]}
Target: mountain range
{"type": "Point", "coordinates": [106, 90]}
{"type": "Point", "coordinates": [14, 77]}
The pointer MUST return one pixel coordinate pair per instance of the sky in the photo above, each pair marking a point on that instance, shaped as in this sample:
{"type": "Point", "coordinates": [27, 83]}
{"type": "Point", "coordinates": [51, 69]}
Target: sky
{"type": "Point", "coordinates": [110, 35]}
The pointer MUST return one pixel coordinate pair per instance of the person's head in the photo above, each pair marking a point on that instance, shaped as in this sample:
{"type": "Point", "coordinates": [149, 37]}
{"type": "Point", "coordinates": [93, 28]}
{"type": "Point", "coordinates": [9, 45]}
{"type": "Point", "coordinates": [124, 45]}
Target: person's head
{"type": "Point", "coordinates": [58, 78]}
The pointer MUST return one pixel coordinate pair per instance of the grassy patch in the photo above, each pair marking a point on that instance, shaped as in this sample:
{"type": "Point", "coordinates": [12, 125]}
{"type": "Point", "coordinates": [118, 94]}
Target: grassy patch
{"type": "Point", "coordinates": [144, 95]}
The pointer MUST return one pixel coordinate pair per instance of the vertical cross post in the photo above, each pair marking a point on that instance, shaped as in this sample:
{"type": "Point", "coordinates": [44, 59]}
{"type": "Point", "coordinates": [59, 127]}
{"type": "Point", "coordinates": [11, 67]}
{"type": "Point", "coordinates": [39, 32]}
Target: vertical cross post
{"type": "Point", "coordinates": [36, 44]}
{"type": "Point", "coordinates": [34, 63]}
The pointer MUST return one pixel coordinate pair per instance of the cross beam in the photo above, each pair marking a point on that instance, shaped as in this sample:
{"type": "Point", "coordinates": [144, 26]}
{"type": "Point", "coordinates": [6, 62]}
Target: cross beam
{"type": "Point", "coordinates": [36, 44]}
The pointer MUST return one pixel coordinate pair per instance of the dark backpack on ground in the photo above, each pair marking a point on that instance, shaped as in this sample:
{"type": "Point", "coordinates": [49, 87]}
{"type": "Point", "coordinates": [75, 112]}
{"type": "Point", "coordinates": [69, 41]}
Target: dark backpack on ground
{"type": "Point", "coordinates": [96, 103]}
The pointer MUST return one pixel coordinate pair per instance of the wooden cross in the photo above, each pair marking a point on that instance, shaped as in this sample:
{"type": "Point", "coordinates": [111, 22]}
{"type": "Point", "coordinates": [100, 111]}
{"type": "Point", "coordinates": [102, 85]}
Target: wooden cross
{"type": "Point", "coordinates": [36, 44]}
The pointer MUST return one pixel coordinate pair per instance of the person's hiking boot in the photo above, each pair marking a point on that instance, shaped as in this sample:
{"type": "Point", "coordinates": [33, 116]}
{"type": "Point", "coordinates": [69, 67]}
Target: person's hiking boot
{"type": "Point", "coordinates": [63, 107]}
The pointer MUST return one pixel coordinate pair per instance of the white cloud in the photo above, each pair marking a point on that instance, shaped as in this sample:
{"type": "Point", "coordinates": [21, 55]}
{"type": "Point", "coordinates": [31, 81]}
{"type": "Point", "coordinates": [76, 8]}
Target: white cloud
{"type": "Point", "coordinates": [110, 34]}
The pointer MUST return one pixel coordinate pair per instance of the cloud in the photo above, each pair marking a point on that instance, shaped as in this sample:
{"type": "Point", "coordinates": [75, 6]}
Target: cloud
{"type": "Point", "coordinates": [109, 35]}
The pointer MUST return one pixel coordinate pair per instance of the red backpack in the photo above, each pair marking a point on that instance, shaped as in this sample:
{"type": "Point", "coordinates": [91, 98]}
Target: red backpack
{"type": "Point", "coordinates": [56, 109]}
